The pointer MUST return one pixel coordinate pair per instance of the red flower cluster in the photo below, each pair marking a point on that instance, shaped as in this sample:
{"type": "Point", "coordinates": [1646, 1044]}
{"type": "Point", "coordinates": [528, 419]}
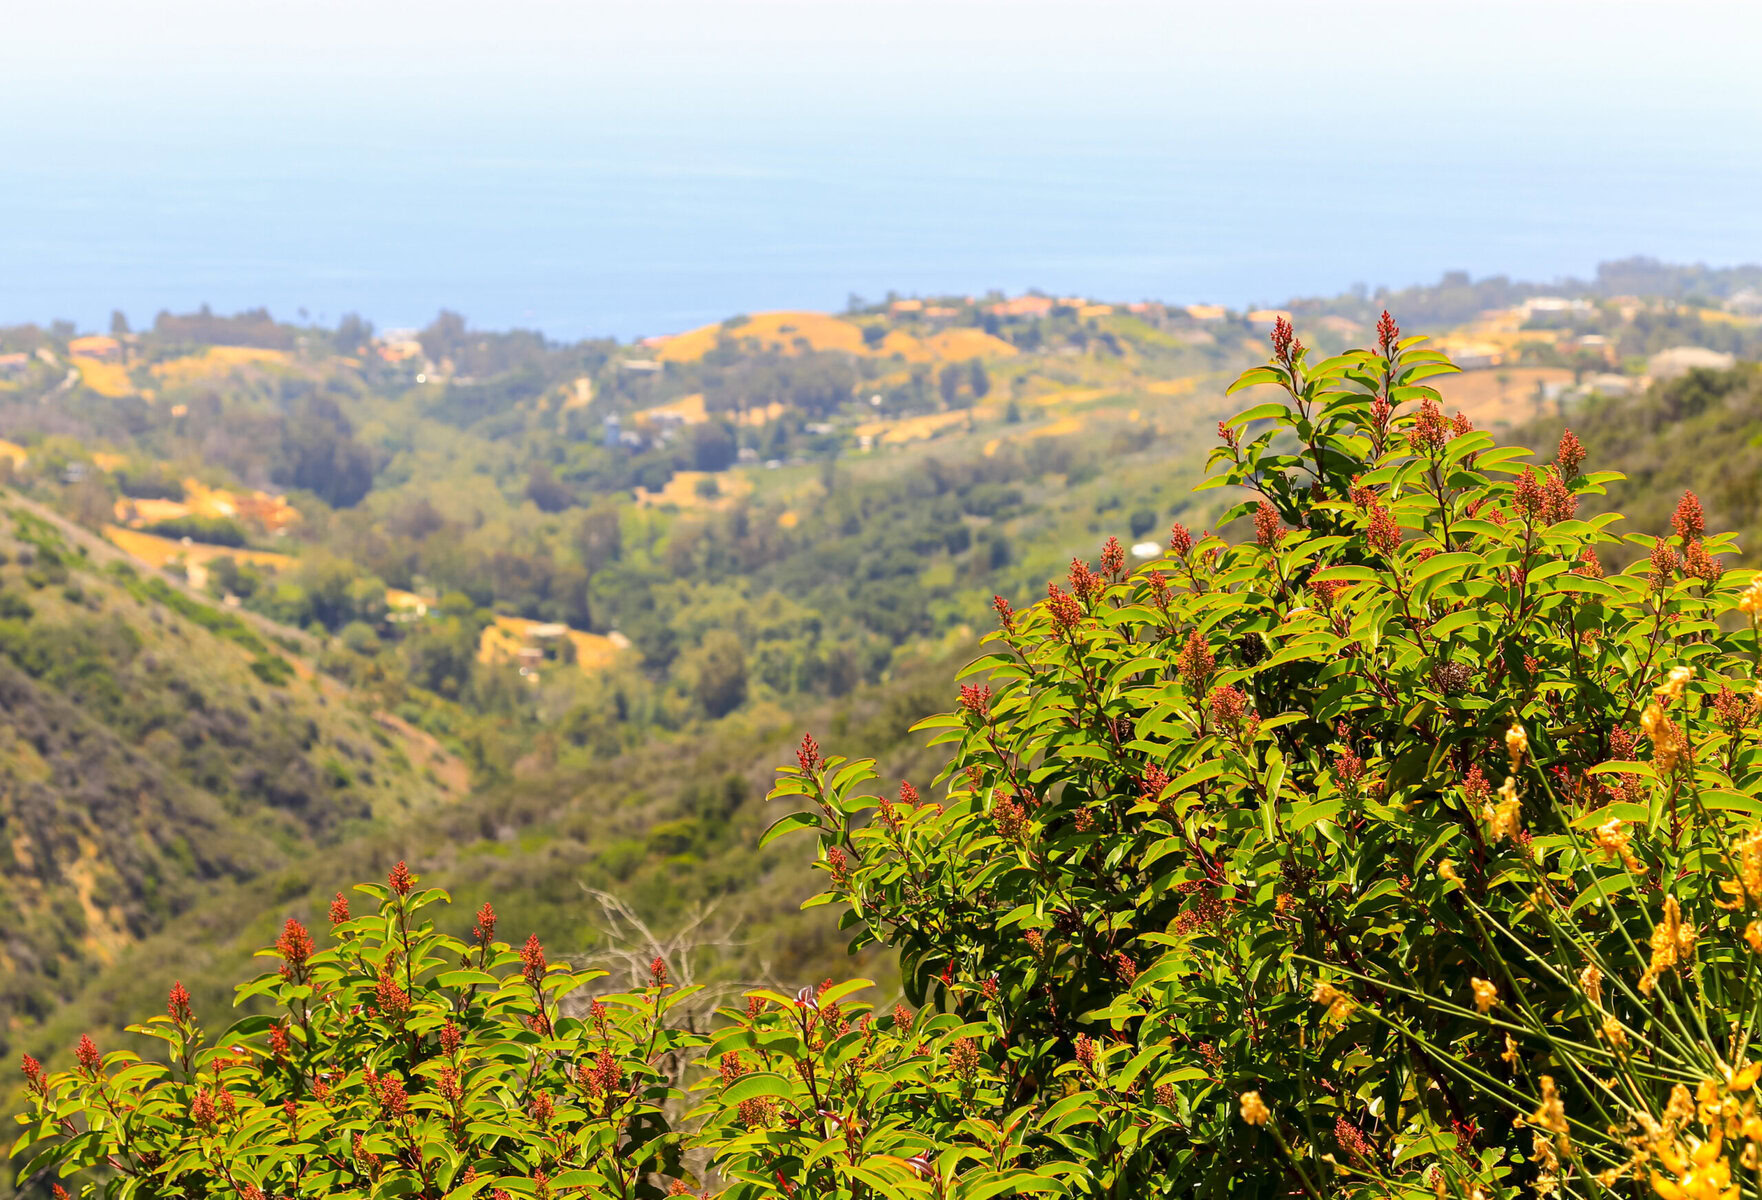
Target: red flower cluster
{"type": "Point", "coordinates": [1180, 541]}
{"type": "Point", "coordinates": [1588, 564]}
{"type": "Point", "coordinates": [400, 879]}
{"type": "Point", "coordinates": [1006, 616]}
{"type": "Point", "coordinates": [1195, 661]}
{"type": "Point", "coordinates": [1267, 527]}
{"type": "Point", "coordinates": [1113, 558]}
{"type": "Point", "coordinates": [485, 929]}
{"type": "Point", "coordinates": [1384, 535]}
{"type": "Point", "coordinates": [1010, 818]}
{"type": "Point", "coordinates": [1526, 494]}
{"type": "Point", "coordinates": [603, 1078]}
{"type": "Point", "coordinates": [177, 1006]}
{"type": "Point", "coordinates": [1388, 333]}
{"type": "Point", "coordinates": [392, 1000]}
{"type": "Point", "coordinates": [1664, 564]}
{"type": "Point", "coordinates": [87, 1054]}
{"type": "Point", "coordinates": [294, 945]}
{"type": "Point", "coordinates": [1558, 502]}
{"type": "Point", "coordinates": [1429, 433]}
{"type": "Point", "coordinates": [1569, 455]}
{"type": "Point", "coordinates": [1688, 520]}
{"type": "Point", "coordinates": [1086, 585]}
{"type": "Point", "coordinates": [339, 910]}
{"type": "Point", "coordinates": [532, 960]}
{"type": "Point", "coordinates": [1286, 346]}
{"type": "Point", "coordinates": [976, 699]}
{"type": "Point", "coordinates": [1228, 705]}
{"type": "Point", "coordinates": [1067, 613]}
{"type": "Point", "coordinates": [809, 754]}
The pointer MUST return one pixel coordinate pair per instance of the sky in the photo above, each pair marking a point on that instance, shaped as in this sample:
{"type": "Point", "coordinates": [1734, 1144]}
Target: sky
{"type": "Point", "coordinates": [636, 168]}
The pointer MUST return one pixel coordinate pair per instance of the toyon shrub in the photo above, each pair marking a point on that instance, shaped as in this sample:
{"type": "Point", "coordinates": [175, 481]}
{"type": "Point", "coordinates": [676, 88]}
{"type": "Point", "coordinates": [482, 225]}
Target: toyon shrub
{"type": "Point", "coordinates": [399, 1061]}
{"type": "Point", "coordinates": [1404, 849]}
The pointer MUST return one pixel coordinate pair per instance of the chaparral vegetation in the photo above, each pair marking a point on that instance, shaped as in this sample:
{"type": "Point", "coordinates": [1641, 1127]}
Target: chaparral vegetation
{"type": "Point", "coordinates": [1411, 847]}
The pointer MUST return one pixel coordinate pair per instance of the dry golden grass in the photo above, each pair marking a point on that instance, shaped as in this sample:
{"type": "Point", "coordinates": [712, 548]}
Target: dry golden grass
{"type": "Point", "coordinates": [967, 342]}
{"type": "Point", "coordinates": [682, 490]}
{"type": "Point", "coordinates": [105, 378]}
{"type": "Point", "coordinates": [1504, 394]}
{"type": "Point", "coordinates": [157, 551]}
{"type": "Point", "coordinates": [689, 409]}
{"type": "Point", "coordinates": [216, 362]}
{"type": "Point", "coordinates": [1172, 387]}
{"type": "Point", "coordinates": [502, 642]}
{"type": "Point", "coordinates": [784, 333]}
{"type": "Point", "coordinates": [910, 429]}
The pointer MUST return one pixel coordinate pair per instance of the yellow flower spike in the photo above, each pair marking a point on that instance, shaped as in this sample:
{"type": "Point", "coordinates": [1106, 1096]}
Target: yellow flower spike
{"type": "Point", "coordinates": [1753, 935]}
{"type": "Point", "coordinates": [1591, 980]}
{"type": "Point", "coordinates": [1254, 1110]}
{"type": "Point", "coordinates": [1517, 744]}
{"type": "Point", "coordinates": [1485, 994]}
{"type": "Point", "coordinates": [1744, 1077]}
{"type": "Point", "coordinates": [1340, 1005]}
{"type": "Point", "coordinates": [1447, 870]}
{"type": "Point", "coordinates": [1674, 684]}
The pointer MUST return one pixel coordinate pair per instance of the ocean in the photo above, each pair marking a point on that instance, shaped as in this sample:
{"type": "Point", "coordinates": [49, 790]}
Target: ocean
{"type": "Point", "coordinates": [667, 194]}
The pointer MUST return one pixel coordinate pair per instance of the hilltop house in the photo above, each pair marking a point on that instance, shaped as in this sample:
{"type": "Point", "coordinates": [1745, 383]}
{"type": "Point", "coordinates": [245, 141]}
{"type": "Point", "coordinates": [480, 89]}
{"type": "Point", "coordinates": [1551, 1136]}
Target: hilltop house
{"type": "Point", "coordinates": [104, 349]}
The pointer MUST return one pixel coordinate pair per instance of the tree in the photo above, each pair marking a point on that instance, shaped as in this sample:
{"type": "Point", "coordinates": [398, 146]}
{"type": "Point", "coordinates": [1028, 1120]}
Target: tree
{"type": "Point", "coordinates": [715, 671]}
{"type": "Point", "coordinates": [978, 380]}
{"type": "Point", "coordinates": [1143, 520]}
{"type": "Point", "coordinates": [118, 322]}
{"type": "Point", "coordinates": [948, 382]}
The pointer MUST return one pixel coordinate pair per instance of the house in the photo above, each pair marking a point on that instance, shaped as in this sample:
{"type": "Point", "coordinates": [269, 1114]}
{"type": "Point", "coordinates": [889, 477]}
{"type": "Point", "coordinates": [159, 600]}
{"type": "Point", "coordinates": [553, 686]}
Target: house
{"type": "Point", "coordinates": [1207, 312]}
{"type": "Point", "coordinates": [1669, 364]}
{"type": "Point", "coordinates": [906, 306]}
{"type": "Point", "coordinates": [1024, 306]}
{"type": "Point", "coordinates": [14, 364]}
{"type": "Point", "coordinates": [104, 349]}
{"type": "Point", "coordinates": [1552, 306]}
{"type": "Point", "coordinates": [1267, 316]}
{"type": "Point", "coordinates": [1473, 356]}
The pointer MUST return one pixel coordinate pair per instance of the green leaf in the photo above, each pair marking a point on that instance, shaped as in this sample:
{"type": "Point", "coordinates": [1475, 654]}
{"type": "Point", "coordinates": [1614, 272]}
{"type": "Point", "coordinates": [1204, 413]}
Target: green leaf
{"type": "Point", "coordinates": [789, 824]}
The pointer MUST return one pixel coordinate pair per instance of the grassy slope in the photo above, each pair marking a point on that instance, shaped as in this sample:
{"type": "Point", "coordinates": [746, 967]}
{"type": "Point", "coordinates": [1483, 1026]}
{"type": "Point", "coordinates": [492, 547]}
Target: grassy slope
{"type": "Point", "coordinates": [152, 749]}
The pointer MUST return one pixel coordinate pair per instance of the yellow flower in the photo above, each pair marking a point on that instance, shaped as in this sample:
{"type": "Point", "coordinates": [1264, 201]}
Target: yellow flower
{"type": "Point", "coordinates": [1505, 818]}
{"type": "Point", "coordinates": [1614, 1034]}
{"type": "Point", "coordinates": [1746, 853]}
{"type": "Point", "coordinates": [1253, 1111]}
{"type": "Point", "coordinates": [1340, 1005]}
{"type": "Point", "coordinates": [1591, 980]}
{"type": "Point", "coordinates": [1673, 685]}
{"type": "Point", "coordinates": [1485, 994]}
{"type": "Point", "coordinates": [1750, 600]}
{"type": "Point", "coordinates": [1447, 870]}
{"type": "Point", "coordinates": [1673, 941]}
{"type": "Point", "coordinates": [1517, 744]}
{"type": "Point", "coordinates": [1612, 838]}
{"type": "Point", "coordinates": [1742, 1079]}
{"type": "Point", "coordinates": [1551, 1113]}
{"type": "Point", "coordinates": [1701, 1172]}
{"type": "Point", "coordinates": [1669, 746]}
{"type": "Point", "coordinates": [1753, 935]}
{"type": "Point", "coordinates": [1510, 1055]}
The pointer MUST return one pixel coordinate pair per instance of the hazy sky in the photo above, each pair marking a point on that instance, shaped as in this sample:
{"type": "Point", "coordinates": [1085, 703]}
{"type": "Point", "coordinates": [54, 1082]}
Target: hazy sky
{"type": "Point", "coordinates": [414, 154]}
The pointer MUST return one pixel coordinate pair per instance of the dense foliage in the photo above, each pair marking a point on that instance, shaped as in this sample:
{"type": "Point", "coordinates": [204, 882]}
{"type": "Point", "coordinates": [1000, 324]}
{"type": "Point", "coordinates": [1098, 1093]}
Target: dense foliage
{"type": "Point", "coordinates": [1400, 850]}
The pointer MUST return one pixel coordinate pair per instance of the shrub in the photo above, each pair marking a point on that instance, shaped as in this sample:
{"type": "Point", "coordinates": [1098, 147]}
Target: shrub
{"type": "Point", "coordinates": [1396, 851]}
{"type": "Point", "coordinates": [397, 1060]}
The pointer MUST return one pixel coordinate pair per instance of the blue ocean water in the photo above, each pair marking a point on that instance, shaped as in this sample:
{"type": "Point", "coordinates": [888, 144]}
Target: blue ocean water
{"type": "Point", "coordinates": [683, 192]}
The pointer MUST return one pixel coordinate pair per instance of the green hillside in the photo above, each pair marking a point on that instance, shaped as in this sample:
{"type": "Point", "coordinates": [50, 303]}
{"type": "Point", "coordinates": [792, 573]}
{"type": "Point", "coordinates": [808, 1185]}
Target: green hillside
{"type": "Point", "coordinates": [153, 747]}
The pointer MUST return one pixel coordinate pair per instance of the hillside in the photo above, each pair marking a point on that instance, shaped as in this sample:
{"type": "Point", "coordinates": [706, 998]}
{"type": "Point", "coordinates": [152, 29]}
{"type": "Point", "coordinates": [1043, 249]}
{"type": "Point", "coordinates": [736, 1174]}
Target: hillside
{"type": "Point", "coordinates": [153, 747]}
